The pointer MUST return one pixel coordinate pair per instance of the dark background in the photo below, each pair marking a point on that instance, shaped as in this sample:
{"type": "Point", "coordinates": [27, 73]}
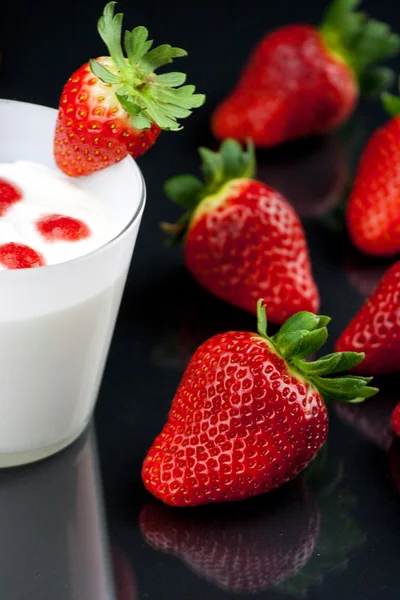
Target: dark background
{"type": "Point", "coordinates": [165, 315]}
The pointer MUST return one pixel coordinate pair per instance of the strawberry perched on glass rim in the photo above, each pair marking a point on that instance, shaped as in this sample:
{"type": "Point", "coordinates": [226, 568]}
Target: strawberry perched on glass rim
{"type": "Point", "coordinates": [116, 105]}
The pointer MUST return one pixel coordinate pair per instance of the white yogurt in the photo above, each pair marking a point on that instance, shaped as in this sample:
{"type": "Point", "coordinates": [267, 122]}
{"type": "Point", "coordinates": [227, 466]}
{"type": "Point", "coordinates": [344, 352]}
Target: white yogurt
{"type": "Point", "coordinates": [56, 321]}
{"type": "Point", "coordinates": [47, 192]}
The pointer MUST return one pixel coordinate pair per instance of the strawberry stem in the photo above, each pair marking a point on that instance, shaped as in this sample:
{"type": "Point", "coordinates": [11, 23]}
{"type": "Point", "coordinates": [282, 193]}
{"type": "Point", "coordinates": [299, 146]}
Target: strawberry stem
{"type": "Point", "coordinates": [303, 334]}
{"type": "Point", "coordinates": [147, 97]}
{"type": "Point", "coordinates": [361, 43]}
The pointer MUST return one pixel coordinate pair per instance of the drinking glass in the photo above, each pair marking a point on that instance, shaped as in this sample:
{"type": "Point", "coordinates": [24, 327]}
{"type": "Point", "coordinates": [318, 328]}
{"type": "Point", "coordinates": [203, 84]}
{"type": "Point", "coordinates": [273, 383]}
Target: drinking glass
{"type": "Point", "coordinates": [57, 321]}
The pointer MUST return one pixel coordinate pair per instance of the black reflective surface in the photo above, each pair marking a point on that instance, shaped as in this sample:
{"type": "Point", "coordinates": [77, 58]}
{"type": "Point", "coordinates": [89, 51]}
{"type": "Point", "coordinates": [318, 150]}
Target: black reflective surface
{"type": "Point", "coordinates": [333, 533]}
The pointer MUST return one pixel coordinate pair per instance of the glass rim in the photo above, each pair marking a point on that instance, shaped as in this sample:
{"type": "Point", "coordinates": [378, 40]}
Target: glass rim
{"type": "Point", "coordinates": [142, 201]}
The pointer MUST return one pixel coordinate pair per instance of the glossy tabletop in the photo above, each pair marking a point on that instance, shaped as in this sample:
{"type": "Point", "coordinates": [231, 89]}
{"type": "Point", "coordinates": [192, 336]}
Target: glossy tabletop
{"type": "Point", "coordinates": [68, 534]}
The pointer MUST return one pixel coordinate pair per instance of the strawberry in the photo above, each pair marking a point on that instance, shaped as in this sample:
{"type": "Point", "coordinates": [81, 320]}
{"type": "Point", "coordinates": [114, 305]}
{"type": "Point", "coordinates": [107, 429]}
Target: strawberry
{"type": "Point", "coordinates": [245, 550]}
{"type": "Point", "coordinates": [249, 413]}
{"type": "Point", "coordinates": [302, 81]}
{"type": "Point", "coordinates": [115, 106]}
{"type": "Point", "coordinates": [395, 420]}
{"type": "Point", "coordinates": [375, 329]}
{"type": "Point", "coordinates": [242, 240]}
{"type": "Point", "coordinates": [373, 210]}
{"type": "Point", "coordinates": [9, 195]}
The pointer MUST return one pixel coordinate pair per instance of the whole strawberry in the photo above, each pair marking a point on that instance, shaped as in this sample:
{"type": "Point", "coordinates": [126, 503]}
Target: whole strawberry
{"type": "Point", "coordinates": [375, 329]}
{"type": "Point", "coordinates": [395, 420]}
{"type": "Point", "coordinates": [249, 413]}
{"type": "Point", "coordinates": [373, 210]}
{"type": "Point", "coordinates": [117, 105]}
{"type": "Point", "coordinates": [301, 81]}
{"type": "Point", "coordinates": [242, 240]}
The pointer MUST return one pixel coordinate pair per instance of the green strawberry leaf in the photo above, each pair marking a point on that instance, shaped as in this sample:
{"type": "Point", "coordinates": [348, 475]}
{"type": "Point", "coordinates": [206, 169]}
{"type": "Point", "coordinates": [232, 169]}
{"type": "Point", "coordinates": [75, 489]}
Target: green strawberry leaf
{"type": "Point", "coordinates": [147, 97]}
{"type": "Point", "coordinates": [141, 121]}
{"type": "Point", "coordinates": [361, 42]}
{"type": "Point", "coordinates": [184, 190]}
{"type": "Point", "coordinates": [136, 43]}
{"type": "Point", "coordinates": [160, 56]}
{"type": "Point", "coordinates": [391, 104]}
{"type": "Point", "coordinates": [333, 363]}
{"type": "Point", "coordinates": [302, 320]}
{"type": "Point", "coordinates": [131, 107]}
{"type": "Point", "coordinates": [375, 81]}
{"type": "Point", "coordinates": [218, 168]}
{"type": "Point", "coordinates": [303, 334]}
{"type": "Point", "coordinates": [110, 29]}
{"type": "Point", "coordinates": [302, 343]}
{"type": "Point", "coordinates": [103, 73]}
{"type": "Point", "coordinates": [171, 79]}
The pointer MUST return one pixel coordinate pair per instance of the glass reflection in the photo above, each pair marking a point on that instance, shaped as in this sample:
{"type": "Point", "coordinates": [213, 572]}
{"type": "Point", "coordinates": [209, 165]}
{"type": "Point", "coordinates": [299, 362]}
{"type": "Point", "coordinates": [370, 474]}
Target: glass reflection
{"type": "Point", "coordinates": [52, 531]}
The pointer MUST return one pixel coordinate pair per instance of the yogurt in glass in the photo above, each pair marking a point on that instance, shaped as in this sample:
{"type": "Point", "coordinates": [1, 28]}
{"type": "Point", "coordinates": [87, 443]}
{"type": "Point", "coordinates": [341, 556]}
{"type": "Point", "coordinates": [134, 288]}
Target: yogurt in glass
{"type": "Point", "coordinates": [57, 320]}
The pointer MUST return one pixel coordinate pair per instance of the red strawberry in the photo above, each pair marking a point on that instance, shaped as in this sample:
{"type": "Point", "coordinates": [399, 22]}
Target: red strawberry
{"type": "Point", "coordinates": [115, 106]}
{"type": "Point", "coordinates": [19, 256]}
{"type": "Point", "coordinates": [395, 420]}
{"type": "Point", "coordinates": [9, 195]}
{"type": "Point", "coordinates": [243, 421]}
{"type": "Point", "coordinates": [61, 227]}
{"type": "Point", "coordinates": [375, 330]}
{"type": "Point", "coordinates": [245, 550]}
{"type": "Point", "coordinates": [242, 240]}
{"type": "Point", "coordinates": [301, 81]}
{"type": "Point", "coordinates": [373, 210]}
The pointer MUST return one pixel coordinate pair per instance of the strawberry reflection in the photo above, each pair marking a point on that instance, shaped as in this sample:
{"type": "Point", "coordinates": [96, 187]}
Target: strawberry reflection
{"type": "Point", "coordinates": [339, 533]}
{"type": "Point", "coordinates": [124, 579]}
{"type": "Point", "coordinates": [242, 548]}
{"type": "Point", "coordinates": [311, 175]}
{"type": "Point", "coordinates": [394, 462]}
{"type": "Point", "coordinates": [363, 272]}
{"type": "Point", "coordinates": [372, 417]}
{"type": "Point", "coordinates": [287, 540]}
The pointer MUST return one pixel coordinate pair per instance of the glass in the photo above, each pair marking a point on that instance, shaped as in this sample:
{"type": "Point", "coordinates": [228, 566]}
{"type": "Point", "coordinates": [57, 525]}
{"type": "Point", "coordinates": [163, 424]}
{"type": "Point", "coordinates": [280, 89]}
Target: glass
{"type": "Point", "coordinates": [56, 322]}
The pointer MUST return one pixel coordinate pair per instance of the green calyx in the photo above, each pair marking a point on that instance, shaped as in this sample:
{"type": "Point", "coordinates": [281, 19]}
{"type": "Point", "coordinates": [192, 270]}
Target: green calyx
{"type": "Point", "coordinates": [218, 168]}
{"type": "Point", "coordinates": [302, 335]}
{"type": "Point", "coordinates": [361, 43]}
{"type": "Point", "coordinates": [147, 97]}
